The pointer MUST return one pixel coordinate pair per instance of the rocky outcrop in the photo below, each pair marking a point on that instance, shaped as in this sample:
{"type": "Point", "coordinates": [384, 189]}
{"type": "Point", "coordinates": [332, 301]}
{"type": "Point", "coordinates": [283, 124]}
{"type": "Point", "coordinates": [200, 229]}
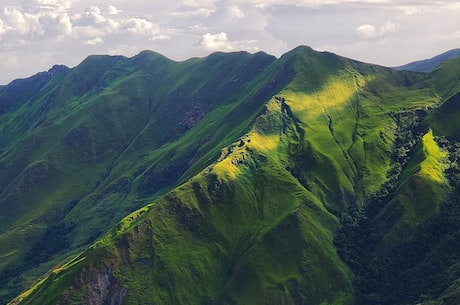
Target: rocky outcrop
{"type": "Point", "coordinates": [104, 288]}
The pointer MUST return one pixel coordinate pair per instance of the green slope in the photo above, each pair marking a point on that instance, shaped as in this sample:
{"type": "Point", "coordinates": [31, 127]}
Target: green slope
{"type": "Point", "coordinates": [295, 180]}
{"type": "Point", "coordinates": [109, 137]}
{"type": "Point", "coordinates": [403, 248]}
{"type": "Point", "coordinates": [444, 119]}
{"type": "Point", "coordinates": [243, 231]}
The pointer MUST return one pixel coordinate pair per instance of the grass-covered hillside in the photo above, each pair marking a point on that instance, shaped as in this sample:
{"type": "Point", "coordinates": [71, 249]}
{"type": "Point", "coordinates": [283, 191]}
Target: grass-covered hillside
{"type": "Point", "coordinates": [231, 179]}
{"type": "Point", "coordinates": [84, 147]}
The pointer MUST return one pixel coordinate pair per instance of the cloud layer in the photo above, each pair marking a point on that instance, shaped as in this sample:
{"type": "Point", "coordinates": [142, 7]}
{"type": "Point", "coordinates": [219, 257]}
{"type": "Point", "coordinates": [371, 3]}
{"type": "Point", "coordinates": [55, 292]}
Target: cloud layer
{"type": "Point", "coordinates": [35, 34]}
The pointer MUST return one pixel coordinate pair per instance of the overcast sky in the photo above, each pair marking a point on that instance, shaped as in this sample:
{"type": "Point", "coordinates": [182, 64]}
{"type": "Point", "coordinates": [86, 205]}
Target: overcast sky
{"type": "Point", "coordinates": [36, 34]}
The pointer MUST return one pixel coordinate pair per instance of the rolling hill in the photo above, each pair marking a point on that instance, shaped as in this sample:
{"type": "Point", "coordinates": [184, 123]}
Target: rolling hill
{"type": "Point", "coordinates": [231, 179]}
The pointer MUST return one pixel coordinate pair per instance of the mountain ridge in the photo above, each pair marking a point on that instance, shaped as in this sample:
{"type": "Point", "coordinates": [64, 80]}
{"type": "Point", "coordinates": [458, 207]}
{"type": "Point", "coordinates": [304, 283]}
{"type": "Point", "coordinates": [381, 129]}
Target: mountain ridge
{"type": "Point", "coordinates": [77, 141]}
{"type": "Point", "coordinates": [415, 66]}
{"type": "Point", "coordinates": [429, 65]}
{"type": "Point", "coordinates": [301, 145]}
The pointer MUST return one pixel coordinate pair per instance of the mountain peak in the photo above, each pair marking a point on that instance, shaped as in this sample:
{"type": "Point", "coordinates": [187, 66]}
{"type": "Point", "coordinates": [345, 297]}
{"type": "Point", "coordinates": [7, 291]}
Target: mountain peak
{"type": "Point", "coordinates": [150, 54]}
{"type": "Point", "coordinates": [56, 69]}
{"type": "Point", "coordinates": [299, 50]}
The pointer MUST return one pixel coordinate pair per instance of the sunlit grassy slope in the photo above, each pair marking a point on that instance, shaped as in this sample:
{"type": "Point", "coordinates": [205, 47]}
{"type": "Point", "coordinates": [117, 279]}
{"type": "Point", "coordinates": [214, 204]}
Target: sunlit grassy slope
{"type": "Point", "coordinates": [348, 124]}
{"type": "Point", "coordinates": [243, 165]}
{"type": "Point", "coordinates": [244, 231]}
{"type": "Point", "coordinates": [106, 137]}
{"type": "Point", "coordinates": [422, 191]}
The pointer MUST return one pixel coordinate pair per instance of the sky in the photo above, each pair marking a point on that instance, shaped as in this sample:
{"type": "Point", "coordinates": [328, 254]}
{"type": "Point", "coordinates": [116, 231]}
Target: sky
{"type": "Point", "coordinates": [36, 34]}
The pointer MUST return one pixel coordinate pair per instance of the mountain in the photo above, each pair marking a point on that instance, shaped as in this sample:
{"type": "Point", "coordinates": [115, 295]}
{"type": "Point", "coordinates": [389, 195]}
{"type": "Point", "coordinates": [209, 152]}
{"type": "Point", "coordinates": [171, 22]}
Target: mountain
{"type": "Point", "coordinates": [231, 179]}
{"type": "Point", "coordinates": [99, 141]}
{"type": "Point", "coordinates": [429, 65]}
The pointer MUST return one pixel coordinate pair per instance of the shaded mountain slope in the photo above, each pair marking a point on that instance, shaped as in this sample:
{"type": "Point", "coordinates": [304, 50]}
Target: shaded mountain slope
{"type": "Point", "coordinates": [403, 247]}
{"type": "Point", "coordinates": [21, 90]}
{"type": "Point", "coordinates": [444, 119]}
{"type": "Point", "coordinates": [308, 179]}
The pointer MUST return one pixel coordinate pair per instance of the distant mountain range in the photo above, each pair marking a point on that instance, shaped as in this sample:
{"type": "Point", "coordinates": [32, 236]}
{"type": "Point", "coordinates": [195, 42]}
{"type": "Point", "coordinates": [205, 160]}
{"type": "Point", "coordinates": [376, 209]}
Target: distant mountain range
{"type": "Point", "coordinates": [235, 178]}
{"type": "Point", "coordinates": [429, 65]}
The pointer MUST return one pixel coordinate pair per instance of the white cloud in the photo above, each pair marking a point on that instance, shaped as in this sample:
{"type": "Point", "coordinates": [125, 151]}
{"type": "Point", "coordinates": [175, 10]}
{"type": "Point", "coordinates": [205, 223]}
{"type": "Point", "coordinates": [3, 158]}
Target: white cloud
{"type": "Point", "coordinates": [36, 6]}
{"type": "Point", "coordinates": [236, 12]}
{"type": "Point", "coordinates": [195, 12]}
{"type": "Point", "coordinates": [160, 37]}
{"type": "Point", "coordinates": [367, 30]}
{"type": "Point", "coordinates": [198, 3]}
{"type": "Point", "coordinates": [216, 42]}
{"type": "Point", "coordinates": [21, 27]}
{"type": "Point", "coordinates": [94, 24]}
{"type": "Point", "coordinates": [387, 27]}
{"type": "Point", "coordinates": [20, 23]}
{"type": "Point", "coordinates": [196, 28]}
{"type": "Point", "coordinates": [371, 31]}
{"type": "Point", "coordinates": [112, 10]}
{"type": "Point", "coordinates": [193, 8]}
{"type": "Point", "coordinates": [54, 3]}
{"type": "Point", "coordinates": [263, 4]}
{"type": "Point", "coordinates": [91, 16]}
{"type": "Point", "coordinates": [410, 10]}
{"type": "Point", "coordinates": [53, 24]}
{"type": "Point", "coordinates": [94, 41]}
{"type": "Point", "coordinates": [139, 26]}
{"type": "Point", "coordinates": [220, 42]}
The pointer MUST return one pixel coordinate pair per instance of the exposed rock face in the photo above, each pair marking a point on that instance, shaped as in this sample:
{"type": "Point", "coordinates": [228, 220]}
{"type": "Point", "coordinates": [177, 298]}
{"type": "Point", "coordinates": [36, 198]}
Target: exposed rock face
{"type": "Point", "coordinates": [104, 288]}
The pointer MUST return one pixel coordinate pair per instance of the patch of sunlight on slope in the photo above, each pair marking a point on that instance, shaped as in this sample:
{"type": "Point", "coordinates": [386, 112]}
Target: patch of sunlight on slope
{"type": "Point", "coordinates": [60, 269]}
{"type": "Point", "coordinates": [335, 94]}
{"type": "Point", "coordinates": [29, 291]}
{"type": "Point", "coordinates": [421, 194]}
{"type": "Point", "coordinates": [239, 155]}
{"type": "Point", "coordinates": [433, 166]}
{"type": "Point", "coordinates": [263, 143]}
{"type": "Point", "coordinates": [227, 168]}
{"type": "Point", "coordinates": [331, 118]}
